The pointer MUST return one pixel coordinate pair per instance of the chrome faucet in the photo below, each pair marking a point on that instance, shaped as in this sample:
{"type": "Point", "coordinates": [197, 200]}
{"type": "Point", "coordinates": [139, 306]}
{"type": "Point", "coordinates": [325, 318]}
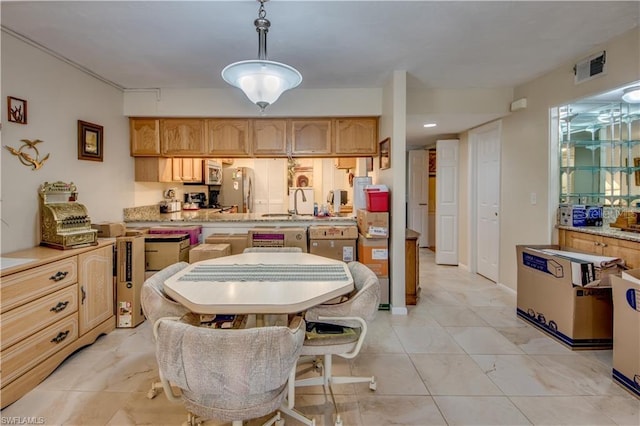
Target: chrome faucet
{"type": "Point", "coordinates": [295, 200]}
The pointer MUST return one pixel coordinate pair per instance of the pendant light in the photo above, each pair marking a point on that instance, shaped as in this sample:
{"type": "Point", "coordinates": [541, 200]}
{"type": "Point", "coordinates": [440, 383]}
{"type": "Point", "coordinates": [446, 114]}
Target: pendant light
{"type": "Point", "coordinates": [263, 81]}
{"type": "Point", "coordinates": [632, 95]}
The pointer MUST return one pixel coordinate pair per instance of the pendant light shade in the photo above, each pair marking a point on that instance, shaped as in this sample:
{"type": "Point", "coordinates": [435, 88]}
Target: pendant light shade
{"type": "Point", "coordinates": [263, 81]}
{"type": "Point", "coordinates": [632, 95]}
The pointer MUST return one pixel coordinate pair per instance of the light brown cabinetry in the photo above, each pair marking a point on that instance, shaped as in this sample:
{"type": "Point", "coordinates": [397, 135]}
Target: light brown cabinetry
{"type": "Point", "coordinates": [187, 169]}
{"type": "Point", "coordinates": [356, 136]}
{"type": "Point", "coordinates": [269, 137]}
{"type": "Point", "coordinates": [183, 137]}
{"type": "Point", "coordinates": [228, 138]}
{"type": "Point", "coordinates": [346, 163]}
{"type": "Point", "coordinates": [412, 267]}
{"type": "Point", "coordinates": [51, 306]}
{"type": "Point", "coordinates": [153, 169]}
{"type": "Point", "coordinates": [629, 251]}
{"type": "Point", "coordinates": [145, 136]}
{"type": "Point", "coordinates": [311, 137]}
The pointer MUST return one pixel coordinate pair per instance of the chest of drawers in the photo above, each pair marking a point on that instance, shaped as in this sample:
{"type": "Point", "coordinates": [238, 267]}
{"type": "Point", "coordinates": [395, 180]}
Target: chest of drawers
{"type": "Point", "coordinates": [53, 304]}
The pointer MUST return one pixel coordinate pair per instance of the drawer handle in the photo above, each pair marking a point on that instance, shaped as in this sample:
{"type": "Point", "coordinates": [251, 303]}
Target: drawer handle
{"type": "Point", "coordinates": [60, 306]}
{"type": "Point", "coordinates": [60, 337]}
{"type": "Point", "coordinates": [59, 276]}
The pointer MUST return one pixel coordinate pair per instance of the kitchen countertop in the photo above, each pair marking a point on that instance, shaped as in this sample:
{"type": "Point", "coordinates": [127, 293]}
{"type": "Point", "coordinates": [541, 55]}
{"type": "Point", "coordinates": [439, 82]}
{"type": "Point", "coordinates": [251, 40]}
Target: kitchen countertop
{"type": "Point", "coordinates": [604, 231]}
{"type": "Point", "coordinates": [152, 214]}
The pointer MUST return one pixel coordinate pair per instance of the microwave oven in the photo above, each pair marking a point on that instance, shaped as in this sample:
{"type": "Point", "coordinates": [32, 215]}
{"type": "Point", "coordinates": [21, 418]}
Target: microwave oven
{"type": "Point", "coordinates": [212, 173]}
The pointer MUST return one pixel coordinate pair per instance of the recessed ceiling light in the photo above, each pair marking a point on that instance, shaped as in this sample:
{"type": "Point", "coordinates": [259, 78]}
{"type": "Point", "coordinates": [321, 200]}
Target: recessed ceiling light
{"type": "Point", "coordinates": [632, 95]}
{"type": "Point", "coordinates": [430, 125]}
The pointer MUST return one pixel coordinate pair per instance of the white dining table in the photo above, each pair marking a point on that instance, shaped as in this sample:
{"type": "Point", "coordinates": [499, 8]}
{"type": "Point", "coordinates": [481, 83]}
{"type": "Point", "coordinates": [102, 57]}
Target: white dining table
{"type": "Point", "coordinates": [259, 283]}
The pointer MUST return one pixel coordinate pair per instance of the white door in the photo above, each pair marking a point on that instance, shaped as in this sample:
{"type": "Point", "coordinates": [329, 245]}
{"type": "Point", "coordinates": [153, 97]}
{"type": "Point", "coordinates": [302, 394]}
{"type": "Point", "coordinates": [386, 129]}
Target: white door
{"type": "Point", "coordinates": [486, 140]}
{"type": "Point", "coordinates": [447, 202]}
{"type": "Point", "coordinates": [419, 195]}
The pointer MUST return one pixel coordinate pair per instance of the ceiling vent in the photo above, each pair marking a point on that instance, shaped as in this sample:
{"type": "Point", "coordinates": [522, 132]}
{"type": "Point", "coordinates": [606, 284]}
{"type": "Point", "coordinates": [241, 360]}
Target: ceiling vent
{"type": "Point", "coordinates": [590, 67]}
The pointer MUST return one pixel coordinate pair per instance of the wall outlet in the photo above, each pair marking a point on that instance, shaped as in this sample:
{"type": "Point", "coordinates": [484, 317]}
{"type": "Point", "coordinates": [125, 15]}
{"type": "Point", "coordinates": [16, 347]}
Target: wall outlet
{"type": "Point", "coordinates": [534, 198]}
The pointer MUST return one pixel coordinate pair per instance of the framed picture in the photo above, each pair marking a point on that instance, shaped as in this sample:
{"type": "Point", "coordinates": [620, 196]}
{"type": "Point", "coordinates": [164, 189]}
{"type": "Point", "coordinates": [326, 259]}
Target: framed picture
{"type": "Point", "coordinates": [385, 153]}
{"type": "Point", "coordinates": [90, 141]}
{"type": "Point", "coordinates": [17, 110]}
{"type": "Point", "coordinates": [432, 162]}
{"type": "Point", "coordinates": [636, 164]}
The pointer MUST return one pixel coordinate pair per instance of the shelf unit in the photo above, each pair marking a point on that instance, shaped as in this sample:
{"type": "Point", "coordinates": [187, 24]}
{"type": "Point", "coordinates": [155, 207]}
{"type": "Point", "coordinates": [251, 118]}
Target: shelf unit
{"type": "Point", "coordinates": [599, 153]}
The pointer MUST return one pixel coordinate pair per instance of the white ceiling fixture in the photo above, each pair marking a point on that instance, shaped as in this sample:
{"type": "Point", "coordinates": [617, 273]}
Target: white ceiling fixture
{"type": "Point", "coordinates": [263, 81]}
{"type": "Point", "coordinates": [632, 95]}
{"type": "Point", "coordinates": [427, 125]}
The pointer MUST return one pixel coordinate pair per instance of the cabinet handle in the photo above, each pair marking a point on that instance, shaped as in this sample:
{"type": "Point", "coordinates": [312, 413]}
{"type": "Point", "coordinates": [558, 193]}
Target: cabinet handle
{"type": "Point", "coordinates": [59, 276]}
{"type": "Point", "coordinates": [60, 337]}
{"type": "Point", "coordinates": [603, 244]}
{"type": "Point", "coordinates": [84, 294]}
{"type": "Point", "coordinates": [596, 243]}
{"type": "Point", "coordinates": [60, 306]}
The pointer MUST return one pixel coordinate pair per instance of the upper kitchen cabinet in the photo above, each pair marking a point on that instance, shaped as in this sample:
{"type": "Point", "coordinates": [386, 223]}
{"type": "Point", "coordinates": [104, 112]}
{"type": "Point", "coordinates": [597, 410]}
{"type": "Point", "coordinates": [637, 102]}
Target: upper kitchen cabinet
{"type": "Point", "coordinates": [183, 137]}
{"type": "Point", "coordinates": [228, 138]}
{"type": "Point", "coordinates": [356, 136]}
{"type": "Point", "coordinates": [145, 136]}
{"type": "Point", "coordinates": [269, 137]}
{"type": "Point", "coordinates": [187, 169]}
{"type": "Point", "coordinates": [311, 137]}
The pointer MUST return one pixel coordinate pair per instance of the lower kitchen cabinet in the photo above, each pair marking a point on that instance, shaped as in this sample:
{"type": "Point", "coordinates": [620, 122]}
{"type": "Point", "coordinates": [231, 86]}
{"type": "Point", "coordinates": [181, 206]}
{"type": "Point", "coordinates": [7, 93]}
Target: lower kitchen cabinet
{"type": "Point", "coordinates": [412, 267]}
{"type": "Point", "coordinates": [56, 303]}
{"type": "Point", "coordinates": [627, 250]}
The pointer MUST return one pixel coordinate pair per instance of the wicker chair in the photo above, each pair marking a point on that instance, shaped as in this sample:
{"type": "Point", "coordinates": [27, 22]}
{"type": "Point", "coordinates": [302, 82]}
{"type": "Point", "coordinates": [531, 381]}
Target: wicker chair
{"type": "Point", "coordinates": [229, 375]}
{"type": "Point", "coordinates": [156, 304]}
{"type": "Point", "coordinates": [359, 308]}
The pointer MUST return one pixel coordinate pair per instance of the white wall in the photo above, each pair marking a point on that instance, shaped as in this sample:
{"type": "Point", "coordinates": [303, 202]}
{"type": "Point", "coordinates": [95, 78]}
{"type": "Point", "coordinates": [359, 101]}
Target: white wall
{"type": "Point", "coordinates": [57, 96]}
{"type": "Point", "coordinates": [525, 148]}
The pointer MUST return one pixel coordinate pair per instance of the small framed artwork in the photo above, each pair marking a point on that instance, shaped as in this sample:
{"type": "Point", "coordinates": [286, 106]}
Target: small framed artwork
{"type": "Point", "coordinates": [17, 110]}
{"type": "Point", "coordinates": [432, 162]}
{"type": "Point", "coordinates": [636, 164]}
{"type": "Point", "coordinates": [90, 141]}
{"type": "Point", "coordinates": [385, 153]}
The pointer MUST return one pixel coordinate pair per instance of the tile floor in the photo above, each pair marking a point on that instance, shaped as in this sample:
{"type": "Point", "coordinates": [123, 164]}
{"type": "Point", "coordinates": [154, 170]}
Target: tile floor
{"type": "Point", "coordinates": [461, 357]}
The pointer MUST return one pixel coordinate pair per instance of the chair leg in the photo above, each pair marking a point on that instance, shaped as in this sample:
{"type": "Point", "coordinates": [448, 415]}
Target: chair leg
{"type": "Point", "coordinates": [153, 392]}
{"type": "Point", "coordinates": [291, 398]}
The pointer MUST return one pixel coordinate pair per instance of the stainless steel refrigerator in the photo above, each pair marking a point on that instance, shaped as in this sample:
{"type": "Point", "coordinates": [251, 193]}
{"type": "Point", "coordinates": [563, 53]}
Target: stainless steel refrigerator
{"type": "Point", "coordinates": [237, 188]}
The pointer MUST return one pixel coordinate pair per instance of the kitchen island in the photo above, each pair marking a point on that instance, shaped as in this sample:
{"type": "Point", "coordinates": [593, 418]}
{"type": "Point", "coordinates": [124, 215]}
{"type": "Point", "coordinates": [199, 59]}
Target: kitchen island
{"type": "Point", "coordinates": [214, 221]}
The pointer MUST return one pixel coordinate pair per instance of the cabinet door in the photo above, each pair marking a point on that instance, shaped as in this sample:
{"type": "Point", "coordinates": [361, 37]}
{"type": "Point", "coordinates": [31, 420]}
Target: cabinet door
{"type": "Point", "coordinates": [153, 169]}
{"type": "Point", "coordinates": [310, 137]}
{"type": "Point", "coordinates": [346, 163]}
{"type": "Point", "coordinates": [228, 137]}
{"type": "Point", "coordinates": [580, 241]}
{"type": "Point", "coordinates": [357, 136]}
{"type": "Point", "coordinates": [95, 285]}
{"type": "Point", "coordinates": [145, 136]}
{"type": "Point", "coordinates": [629, 251]}
{"type": "Point", "coordinates": [183, 136]}
{"type": "Point", "coordinates": [187, 170]}
{"type": "Point", "coordinates": [269, 137]}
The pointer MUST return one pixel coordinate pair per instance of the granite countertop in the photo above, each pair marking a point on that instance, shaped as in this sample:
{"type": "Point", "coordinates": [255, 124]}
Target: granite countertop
{"type": "Point", "coordinates": [152, 214]}
{"type": "Point", "coordinates": [605, 231]}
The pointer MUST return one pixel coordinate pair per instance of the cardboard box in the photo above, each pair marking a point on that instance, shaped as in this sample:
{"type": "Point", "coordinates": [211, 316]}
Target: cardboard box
{"type": "Point", "coordinates": [278, 237]}
{"type": "Point", "coordinates": [374, 252]}
{"type": "Point", "coordinates": [130, 276]}
{"type": "Point", "coordinates": [581, 318]}
{"type": "Point", "coordinates": [367, 220]}
{"type": "Point", "coordinates": [385, 300]}
{"type": "Point", "coordinates": [626, 330]}
{"type": "Point", "coordinates": [194, 231]}
{"type": "Point", "coordinates": [137, 231]}
{"type": "Point", "coordinates": [208, 251]}
{"type": "Point", "coordinates": [336, 232]}
{"type": "Point", "coordinates": [109, 229]}
{"type": "Point", "coordinates": [344, 250]}
{"type": "Point", "coordinates": [162, 250]}
{"type": "Point", "coordinates": [238, 242]}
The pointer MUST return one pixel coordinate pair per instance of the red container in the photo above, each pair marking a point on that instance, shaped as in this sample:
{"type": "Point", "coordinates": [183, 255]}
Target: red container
{"type": "Point", "coordinates": [377, 198]}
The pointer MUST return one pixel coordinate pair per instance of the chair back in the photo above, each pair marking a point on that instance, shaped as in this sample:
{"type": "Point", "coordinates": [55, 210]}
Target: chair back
{"type": "Point", "coordinates": [363, 302]}
{"type": "Point", "coordinates": [155, 302]}
{"type": "Point", "coordinates": [228, 374]}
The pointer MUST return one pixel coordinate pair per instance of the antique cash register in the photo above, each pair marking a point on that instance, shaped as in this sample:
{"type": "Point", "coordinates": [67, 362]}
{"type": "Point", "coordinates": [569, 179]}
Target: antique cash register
{"type": "Point", "coordinates": [64, 223]}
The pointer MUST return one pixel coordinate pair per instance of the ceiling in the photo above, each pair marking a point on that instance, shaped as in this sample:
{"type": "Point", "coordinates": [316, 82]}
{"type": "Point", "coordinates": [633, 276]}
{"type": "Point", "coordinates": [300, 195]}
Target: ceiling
{"type": "Point", "coordinates": [334, 44]}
